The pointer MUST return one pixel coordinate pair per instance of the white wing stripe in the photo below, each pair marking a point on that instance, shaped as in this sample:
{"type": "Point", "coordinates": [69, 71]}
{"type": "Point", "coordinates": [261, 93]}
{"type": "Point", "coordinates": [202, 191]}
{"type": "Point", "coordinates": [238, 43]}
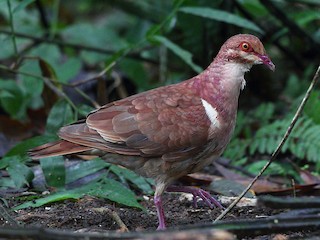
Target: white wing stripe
{"type": "Point", "coordinates": [211, 112]}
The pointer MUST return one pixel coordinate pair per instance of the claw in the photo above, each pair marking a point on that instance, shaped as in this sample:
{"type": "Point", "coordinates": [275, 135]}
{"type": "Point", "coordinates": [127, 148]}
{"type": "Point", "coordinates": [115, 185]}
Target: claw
{"type": "Point", "coordinates": [197, 192]}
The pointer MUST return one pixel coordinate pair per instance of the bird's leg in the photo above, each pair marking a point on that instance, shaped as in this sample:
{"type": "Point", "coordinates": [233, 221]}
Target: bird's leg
{"type": "Point", "coordinates": [196, 192]}
{"type": "Point", "coordinates": [160, 212]}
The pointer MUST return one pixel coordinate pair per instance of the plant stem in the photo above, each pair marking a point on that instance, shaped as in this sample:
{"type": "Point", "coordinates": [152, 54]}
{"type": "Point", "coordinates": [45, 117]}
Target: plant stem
{"type": "Point", "coordinates": [54, 24]}
{"type": "Point", "coordinates": [12, 29]}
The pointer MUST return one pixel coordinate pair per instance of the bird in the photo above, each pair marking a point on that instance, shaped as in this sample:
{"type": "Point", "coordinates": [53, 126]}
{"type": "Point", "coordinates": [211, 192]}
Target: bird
{"type": "Point", "coordinates": [170, 131]}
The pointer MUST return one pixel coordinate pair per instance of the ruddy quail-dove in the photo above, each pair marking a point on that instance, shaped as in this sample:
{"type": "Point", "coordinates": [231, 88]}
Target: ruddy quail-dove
{"type": "Point", "coordinates": [170, 131]}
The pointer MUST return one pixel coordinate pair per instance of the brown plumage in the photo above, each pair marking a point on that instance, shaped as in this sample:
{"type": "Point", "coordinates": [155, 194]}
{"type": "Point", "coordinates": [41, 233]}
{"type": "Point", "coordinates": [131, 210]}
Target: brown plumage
{"type": "Point", "coordinates": [168, 132]}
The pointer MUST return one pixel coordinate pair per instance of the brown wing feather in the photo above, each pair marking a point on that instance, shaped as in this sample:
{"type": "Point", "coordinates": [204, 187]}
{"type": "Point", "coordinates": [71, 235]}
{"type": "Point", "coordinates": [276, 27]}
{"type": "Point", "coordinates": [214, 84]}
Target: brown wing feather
{"type": "Point", "coordinates": [57, 148]}
{"type": "Point", "coordinates": [162, 121]}
{"type": "Point", "coordinates": [167, 122]}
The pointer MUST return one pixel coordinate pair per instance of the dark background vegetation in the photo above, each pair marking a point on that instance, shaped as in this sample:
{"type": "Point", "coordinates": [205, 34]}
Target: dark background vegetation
{"type": "Point", "coordinates": [61, 59]}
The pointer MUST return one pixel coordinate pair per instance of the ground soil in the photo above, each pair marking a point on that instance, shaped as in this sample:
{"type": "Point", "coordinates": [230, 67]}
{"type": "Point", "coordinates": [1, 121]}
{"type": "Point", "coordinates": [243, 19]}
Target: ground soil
{"type": "Point", "coordinates": [88, 215]}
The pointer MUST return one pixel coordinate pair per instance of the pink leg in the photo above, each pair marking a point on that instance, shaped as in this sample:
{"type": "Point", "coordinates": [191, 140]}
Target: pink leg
{"type": "Point", "coordinates": [160, 213]}
{"type": "Point", "coordinates": [196, 192]}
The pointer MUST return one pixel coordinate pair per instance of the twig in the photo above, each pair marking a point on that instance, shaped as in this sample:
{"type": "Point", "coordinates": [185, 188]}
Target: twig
{"type": "Point", "coordinates": [55, 17]}
{"type": "Point", "coordinates": [86, 97]}
{"type": "Point", "coordinates": [78, 46]}
{"type": "Point", "coordinates": [115, 216]}
{"type": "Point", "coordinates": [278, 149]}
{"type": "Point", "coordinates": [47, 81]}
{"type": "Point", "coordinates": [103, 72]}
{"type": "Point", "coordinates": [60, 93]}
{"type": "Point", "coordinates": [79, 91]}
{"type": "Point", "coordinates": [118, 85]}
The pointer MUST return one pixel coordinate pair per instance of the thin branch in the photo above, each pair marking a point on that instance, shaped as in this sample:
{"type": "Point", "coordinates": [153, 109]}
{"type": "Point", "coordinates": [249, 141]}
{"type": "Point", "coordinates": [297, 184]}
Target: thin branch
{"type": "Point", "coordinates": [60, 93]}
{"type": "Point", "coordinates": [118, 85]}
{"type": "Point", "coordinates": [47, 81]}
{"type": "Point", "coordinates": [77, 46]}
{"type": "Point", "coordinates": [115, 216]}
{"type": "Point", "coordinates": [103, 72]}
{"type": "Point", "coordinates": [86, 97]}
{"type": "Point", "coordinates": [279, 147]}
{"type": "Point", "coordinates": [55, 17]}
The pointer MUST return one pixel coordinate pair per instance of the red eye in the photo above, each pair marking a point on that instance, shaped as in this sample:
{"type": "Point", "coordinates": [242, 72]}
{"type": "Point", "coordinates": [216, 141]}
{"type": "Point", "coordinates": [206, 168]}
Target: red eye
{"type": "Point", "coordinates": [245, 47]}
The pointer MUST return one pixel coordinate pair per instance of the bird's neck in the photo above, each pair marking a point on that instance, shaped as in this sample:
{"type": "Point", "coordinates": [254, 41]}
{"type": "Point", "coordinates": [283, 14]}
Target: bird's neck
{"type": "Point", "coordinates": [229, 75]}
{"type": "Point", "coordinates": [220, 85]}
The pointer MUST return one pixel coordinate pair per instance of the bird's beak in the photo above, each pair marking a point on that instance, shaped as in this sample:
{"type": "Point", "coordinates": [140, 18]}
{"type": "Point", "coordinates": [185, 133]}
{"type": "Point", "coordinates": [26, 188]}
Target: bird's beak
{"type": "Point", "coordinates": [266, 61]}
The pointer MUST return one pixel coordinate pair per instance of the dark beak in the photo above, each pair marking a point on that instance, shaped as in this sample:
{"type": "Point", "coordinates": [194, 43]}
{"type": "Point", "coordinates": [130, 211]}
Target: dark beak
{"type": "Point", "coordinates": [266, 61]}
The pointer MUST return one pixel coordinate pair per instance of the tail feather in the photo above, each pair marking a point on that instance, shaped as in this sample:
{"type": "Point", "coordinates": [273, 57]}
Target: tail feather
{"type": "Point", "coordinates": [57, 148]}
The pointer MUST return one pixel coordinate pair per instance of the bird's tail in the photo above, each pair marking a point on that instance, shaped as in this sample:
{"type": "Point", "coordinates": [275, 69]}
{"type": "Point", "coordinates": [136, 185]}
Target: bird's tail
{"type": "Point", "coordinates": [57, 148]}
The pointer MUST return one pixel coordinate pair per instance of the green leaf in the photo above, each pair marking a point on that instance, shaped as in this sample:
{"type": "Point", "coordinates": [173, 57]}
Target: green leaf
{"type": "Point", "coordinates": [19, 172]}
{"type": "Point", "coordinates": [155, 29]}
{"type": "Point", "coordinates": [114, 191]}
{"type": "Point", "coordinates": [254, 7]}
{"type": "Point", "coordinates": [312, 107]}
{"type": "Point", "coordinates": [136, 71]}
{"type": "Point", "coordinates": [84, 109]}
{"type": "Point", "coordinates": [32, 86]}
{"type": "Point", "coordinates": [106, 188]}
{"type": "Point", "coordinates": [83, 169]}
{"type": "Point", "coordinates": [7, 183]}
{"type": "Point", "coordinates": [307, 16]}
{"type": "Point", "coordinates": [23, 4]}
{"type": "Point", "coordinates": [59, 196]}
{"type": "Point", "coordinates": [131, 176]}
{"type": "Point", "coordinates": [46, 69]}
{"type": "Point", "coordinates": [60, 115]}
{"type": "Point", "coordinates": [183, 54]}
{"type": "Point", "coordinates": [273, 169]}
{"type": "Point", "coordinates": [221, 16]}
{"type": "Point", "coordinates": [4, 162]}
{"type": "Point", "coordinates": [22, 148]}
{"type": "Point", "coordinates": [54, 171]}
{"type": "Point", "coordinates": [117, 55]}
{"type": "Point", "coordinates": [68, 70]}
{"type": "Point", "coordinates": [12, 99]}
{"type": "Point", "coordinates": [98, 36]}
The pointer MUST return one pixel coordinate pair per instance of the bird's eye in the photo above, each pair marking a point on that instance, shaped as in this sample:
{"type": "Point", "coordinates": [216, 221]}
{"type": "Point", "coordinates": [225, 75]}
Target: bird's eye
{"type": "Point", "coordinates": [245, 46]}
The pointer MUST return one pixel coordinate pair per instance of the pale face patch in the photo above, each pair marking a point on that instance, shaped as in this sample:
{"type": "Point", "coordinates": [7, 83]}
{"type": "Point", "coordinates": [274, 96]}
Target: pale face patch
{"type": "Point", "coordinates": [211, 112]}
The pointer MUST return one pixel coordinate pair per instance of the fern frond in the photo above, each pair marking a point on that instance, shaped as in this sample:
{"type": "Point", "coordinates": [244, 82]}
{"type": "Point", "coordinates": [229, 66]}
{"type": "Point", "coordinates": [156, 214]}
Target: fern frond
{"type": "Point", "coordinates": [304, 142]}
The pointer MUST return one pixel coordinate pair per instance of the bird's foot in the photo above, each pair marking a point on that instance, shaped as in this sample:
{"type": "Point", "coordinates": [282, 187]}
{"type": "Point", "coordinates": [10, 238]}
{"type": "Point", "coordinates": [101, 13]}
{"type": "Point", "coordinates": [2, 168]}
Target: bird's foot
{"type": "Point", "coordinates": [196, 192]}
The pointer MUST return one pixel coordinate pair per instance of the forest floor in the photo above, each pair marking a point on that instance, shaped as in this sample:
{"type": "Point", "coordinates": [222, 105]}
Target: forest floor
{"type": "Point", "coordinates": [96, 215]}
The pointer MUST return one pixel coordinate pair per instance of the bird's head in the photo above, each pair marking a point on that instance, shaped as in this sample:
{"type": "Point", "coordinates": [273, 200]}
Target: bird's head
{"type": "Point", "coordinates": [246, 49]}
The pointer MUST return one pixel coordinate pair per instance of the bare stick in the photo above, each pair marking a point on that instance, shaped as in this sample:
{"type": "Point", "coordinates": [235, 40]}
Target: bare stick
{"type": "Point", "coordinates": [278, 149]}
{"type": "Point", "coordinates": [115, 216]}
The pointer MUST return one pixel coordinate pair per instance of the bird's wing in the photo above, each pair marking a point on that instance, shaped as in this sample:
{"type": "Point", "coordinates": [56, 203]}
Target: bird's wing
{"type": "Point", "coordinates": [169, 121]}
